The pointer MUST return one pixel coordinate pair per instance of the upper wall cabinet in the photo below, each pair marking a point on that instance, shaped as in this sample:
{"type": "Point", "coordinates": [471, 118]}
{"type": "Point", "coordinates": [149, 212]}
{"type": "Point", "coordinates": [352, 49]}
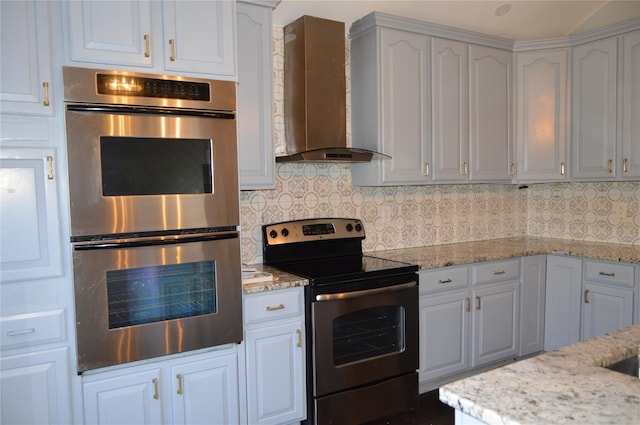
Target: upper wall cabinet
{"type": "Point", "coordinates": [629, 141]}
{"type": "Point", "coordinates": [255, 94]}
{"type": "Point", "coordinates": [173, 36]}
{"type": "Point", "coordinates": [541, 115]}
{"type": "Point", "coordinates": [25, 58]}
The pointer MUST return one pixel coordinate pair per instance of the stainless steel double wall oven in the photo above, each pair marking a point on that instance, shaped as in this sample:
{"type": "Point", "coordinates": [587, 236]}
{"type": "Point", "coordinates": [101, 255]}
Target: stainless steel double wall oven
{"type": "Point", "coordinates": [153, 186]}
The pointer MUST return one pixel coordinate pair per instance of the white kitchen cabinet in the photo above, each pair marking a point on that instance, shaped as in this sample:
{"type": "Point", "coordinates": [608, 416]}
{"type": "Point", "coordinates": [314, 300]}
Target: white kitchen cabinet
{"type": "Point", "coordinates": [26, 75]}
{"type": "Point", "coordinates": [199, 388]}
{"type": "Point", "coordinates": [594, 105]}
{"type": "Point", "coordinates": [629, 167]}
{"type": "Point", "coordinates": [449, 62]}
{"type": "Point", "coordinates": [532, 302]}
{"type": "Point", "coordinates": [255, 94]}
{"type": "Point", "coordinates": [177, 37]}
{"type": "Point", "coordinates": [275, 356]}
{"type": "Point", "coordinates": [607, 303]}
{"type": "Point", "coordinates": [390, 100]}
{"type": "Point", "coordinates": [35, 388]}
{"type": "Point", "coordinates": [562, 302]}
{"type": "Point", "coordinates": [541, 115]}
{"type": "Point", "coordinates": [30, 224]}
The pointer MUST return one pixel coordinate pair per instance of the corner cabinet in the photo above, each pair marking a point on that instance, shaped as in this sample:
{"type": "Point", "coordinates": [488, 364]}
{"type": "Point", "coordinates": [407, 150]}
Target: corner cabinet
{"type": "Point", "coordinates": [255, 95]}
{"type": "Point", "coordinates": [541, 115]}
{"type": "Point", "coordinates": [194, 37]}
{"type": "Point", "coordinates": [275, 356]}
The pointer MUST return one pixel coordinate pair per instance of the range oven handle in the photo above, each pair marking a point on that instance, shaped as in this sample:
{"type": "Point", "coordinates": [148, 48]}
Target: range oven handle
{"type": "Point", "coordinates": [155, 241]}
{"type": "Point", "coordinates": [122, 109]}
{"type": "Point", "coordinates": [354, 294]}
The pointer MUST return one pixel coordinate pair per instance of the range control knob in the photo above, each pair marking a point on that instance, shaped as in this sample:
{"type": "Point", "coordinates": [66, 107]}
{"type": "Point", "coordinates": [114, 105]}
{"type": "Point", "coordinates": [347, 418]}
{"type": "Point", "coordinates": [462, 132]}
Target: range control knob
{"type": "Point", "coordinates": [273, 234]}
{"type": "Point", "coordinates": [349, 227]}
{"type": "Point", "coordinates": [285, 232]}
{"type": "Point", "coordinates": [358, 227]}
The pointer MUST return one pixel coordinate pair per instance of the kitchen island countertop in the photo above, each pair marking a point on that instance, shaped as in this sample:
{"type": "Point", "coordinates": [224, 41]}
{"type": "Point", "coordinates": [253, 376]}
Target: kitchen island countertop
{"type": "Point", "coordinates": [567, 386]}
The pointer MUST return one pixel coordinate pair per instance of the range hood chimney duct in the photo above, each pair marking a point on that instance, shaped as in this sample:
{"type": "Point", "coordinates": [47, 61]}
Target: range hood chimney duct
{"type": "Point", "coordinates": [315, 112]}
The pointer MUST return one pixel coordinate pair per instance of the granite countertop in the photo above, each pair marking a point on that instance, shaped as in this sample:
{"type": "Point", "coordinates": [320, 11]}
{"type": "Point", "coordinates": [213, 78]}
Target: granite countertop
{"type": "Point", "coordinates": [281, 280]}
{"type": "Point", "coordinates": [567, 386]}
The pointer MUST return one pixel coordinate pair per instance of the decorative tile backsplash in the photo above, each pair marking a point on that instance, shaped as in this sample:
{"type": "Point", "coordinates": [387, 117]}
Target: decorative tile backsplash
{"type": "Point", "coordinates": [409, 216]}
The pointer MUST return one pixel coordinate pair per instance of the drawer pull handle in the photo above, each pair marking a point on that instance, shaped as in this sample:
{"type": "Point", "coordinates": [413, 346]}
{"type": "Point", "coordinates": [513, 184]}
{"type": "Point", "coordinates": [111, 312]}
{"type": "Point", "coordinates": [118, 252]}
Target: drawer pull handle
{"type": "Point", "coordinates": [22, 332]}
{"type": "Point", "coordinates": [478, 303]}
{"type": "Point", "coordinates": [156, 394]}
{"type": "Point", "coordinates": [299, 333]}
{"type": "Point", "coordinates": [497, 272]}
{"type": "Point", "coordinates": [609, 274]}
{"type": "Point", "coordinates": [280, 307]}
{"type": "Point", "coordinates": [147, 47]}
{"type": "Point", "coordinates": [586, 296]}
{"type": "Point", "coordinates": [443, 281]}
{"type": "Point", "coordinates": [179, 378]}
{"type": "Point", "coordinates": [467, 302]}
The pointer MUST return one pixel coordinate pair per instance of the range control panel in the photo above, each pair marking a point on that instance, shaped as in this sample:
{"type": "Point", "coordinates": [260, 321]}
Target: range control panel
{"type": "Point", "coordinates": [312, 230]}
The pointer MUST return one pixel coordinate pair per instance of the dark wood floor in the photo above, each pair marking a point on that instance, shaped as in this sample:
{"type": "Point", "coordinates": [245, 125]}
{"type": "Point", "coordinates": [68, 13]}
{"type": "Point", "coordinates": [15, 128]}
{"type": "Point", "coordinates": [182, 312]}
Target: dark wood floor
{"type": "Point", "coordinates": [430, 411]}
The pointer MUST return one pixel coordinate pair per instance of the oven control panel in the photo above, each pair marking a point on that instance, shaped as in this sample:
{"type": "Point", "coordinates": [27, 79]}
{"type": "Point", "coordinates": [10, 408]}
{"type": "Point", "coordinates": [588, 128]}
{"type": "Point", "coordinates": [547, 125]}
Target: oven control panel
{"type": "Point", "coordinates": [312, 230]}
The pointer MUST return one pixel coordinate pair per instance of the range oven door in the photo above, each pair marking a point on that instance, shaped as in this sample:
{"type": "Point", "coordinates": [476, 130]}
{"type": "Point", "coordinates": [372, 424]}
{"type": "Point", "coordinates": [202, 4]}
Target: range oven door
{"type": "Point", "coordinates": [150, 169]}
{"type": "Point", "coordinates": [148, 297]}
{"type": "Point", "coordinates": [364, 336]}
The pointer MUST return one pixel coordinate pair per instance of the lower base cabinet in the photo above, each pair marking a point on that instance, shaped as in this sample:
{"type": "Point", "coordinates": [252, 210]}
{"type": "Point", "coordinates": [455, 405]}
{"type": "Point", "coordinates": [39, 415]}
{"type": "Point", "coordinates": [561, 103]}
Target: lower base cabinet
{"type": "Point", "coordinates": [200, 388]}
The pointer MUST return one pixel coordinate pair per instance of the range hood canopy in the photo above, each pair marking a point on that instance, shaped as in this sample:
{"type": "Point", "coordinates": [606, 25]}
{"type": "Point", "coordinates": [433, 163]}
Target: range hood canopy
{"type": "Point", "coordinates": [315, 112]}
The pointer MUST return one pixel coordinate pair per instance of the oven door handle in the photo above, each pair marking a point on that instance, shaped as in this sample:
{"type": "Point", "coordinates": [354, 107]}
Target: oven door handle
{"type": "Point", "coordinates": [354, 294]}
{"type": "Point", "coordinates": [156, 241]}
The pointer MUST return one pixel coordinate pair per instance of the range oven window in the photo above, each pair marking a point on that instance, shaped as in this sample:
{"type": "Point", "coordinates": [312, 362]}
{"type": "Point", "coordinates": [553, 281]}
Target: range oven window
{"type": "Point", "coordinates": [368, 333]}
{"type": "Point", "coordinates": [158, 293]}
{"type": "Point", "coordinates": [155, 166]}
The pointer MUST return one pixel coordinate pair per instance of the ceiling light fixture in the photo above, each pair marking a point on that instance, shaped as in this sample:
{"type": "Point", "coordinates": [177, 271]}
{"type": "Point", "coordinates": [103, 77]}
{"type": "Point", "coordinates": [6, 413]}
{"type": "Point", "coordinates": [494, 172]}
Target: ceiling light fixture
{"type": "Point", "coordinates": [503, 9]}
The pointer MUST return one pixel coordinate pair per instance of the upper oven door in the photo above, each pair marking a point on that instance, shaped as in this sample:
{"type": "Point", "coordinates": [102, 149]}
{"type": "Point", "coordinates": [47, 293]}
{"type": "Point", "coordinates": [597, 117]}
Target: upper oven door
{"type": "Point", "coordinates": [364, 336]}
{"type": "Point", "coordinates": [135, 172]}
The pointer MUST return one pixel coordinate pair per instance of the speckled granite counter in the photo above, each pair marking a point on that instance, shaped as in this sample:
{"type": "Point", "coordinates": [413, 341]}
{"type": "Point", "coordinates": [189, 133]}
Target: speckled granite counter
{"type": "Point", "coordinates": [568, 386]}
{"type": "Point", "coordinates": [499, 249]}
{"type": "Point", "coordinates": [283, 281]}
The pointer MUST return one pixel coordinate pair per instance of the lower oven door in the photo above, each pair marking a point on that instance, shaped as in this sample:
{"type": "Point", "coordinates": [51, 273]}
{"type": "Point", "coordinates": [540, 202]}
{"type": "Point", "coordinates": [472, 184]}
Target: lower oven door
{"type": "Point", "coordinates": [141, 298]}
{"type": "Point", "coordinates": [362, 337]}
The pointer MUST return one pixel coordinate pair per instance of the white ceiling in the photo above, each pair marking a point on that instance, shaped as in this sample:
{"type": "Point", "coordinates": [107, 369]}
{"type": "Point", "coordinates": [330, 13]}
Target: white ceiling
{"type": "Point", "coordinates": [525, 20]}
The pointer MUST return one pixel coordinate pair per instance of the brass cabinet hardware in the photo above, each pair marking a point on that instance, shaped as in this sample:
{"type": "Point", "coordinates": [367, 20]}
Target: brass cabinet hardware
{"type": "Point", "coordinates": [445, 281]}
{"type": "Point", "coordinates": [609, 274]}
{"type": "Point", "coordinates": [45, 85]}
{"type": "Point", "coordinates": [426, 169]}
{"type": "Point", "coordinates": [280, 307]}
{"type": "Point", "coordinates": [156, 394]}
{"type": "Point", "coordinates": [610, 166]}
{"type": "Point", "coordinates": [562, 169]}
{"type": "Point", "coordinates": [478, 303]}
{"type": "Point", "coordinates": [498, 272]}
{"type": "Point", "coordinates": [147, 46]}
{"type": "Point", "coordinates": [625, 165]}
{"type": "Point", "coordinates": [512, 168]}
{"type": "Point", "coordinates": [49, 167]}
{"type": "Point", "coordinates": [179, 378]}
{"type": "Point", "coordinates": [586, 296]}
{"type": "Point", "coordinates": [299, 333]}
{"type": "Point", "coordinates": [464, 168]}
{"type": "Point", "coordinates": [467, 302]}
{"type": "Point", "coordinates": [172, 43]}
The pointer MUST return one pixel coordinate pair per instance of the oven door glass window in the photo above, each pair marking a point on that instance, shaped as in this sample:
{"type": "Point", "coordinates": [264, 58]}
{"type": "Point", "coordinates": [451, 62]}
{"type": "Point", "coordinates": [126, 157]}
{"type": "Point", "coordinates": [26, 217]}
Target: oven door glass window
{"type": "Point", "coordinates": [369, 333]}
{"type": "Point", "coordinates": [154, 294]}
{"type": "Point", "coordinates": [155, 166]}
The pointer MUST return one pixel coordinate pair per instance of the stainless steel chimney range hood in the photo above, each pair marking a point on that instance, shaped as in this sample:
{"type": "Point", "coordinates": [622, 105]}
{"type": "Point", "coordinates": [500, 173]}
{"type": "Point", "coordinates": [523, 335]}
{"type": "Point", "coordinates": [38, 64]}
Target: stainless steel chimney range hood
{"type": "Point", "coordinates": [315, 112]}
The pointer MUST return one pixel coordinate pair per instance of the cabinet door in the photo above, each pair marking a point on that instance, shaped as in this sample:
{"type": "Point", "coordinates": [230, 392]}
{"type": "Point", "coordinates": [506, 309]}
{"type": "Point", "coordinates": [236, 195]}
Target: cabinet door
{"type": "Point", "coordinates": [206, 391]}
{"type": "Point", "coordinates": [405, 106]}
{"type": "Point", "coordinates": [25, 58]}
{"type": "Point", "coordinates": [255, 94]}
{"type": "Point", "coordinates": [605, 309]}
{"type": "Point", "coordinates": [275, 373]}
{"type": "Point", "coordinates": [562, 302]}
{"type": "Point", "coordinates": [594, 109]}
{"type": "Point", "coordinates": [108, 32]}
{"type": "Point", "coordinates": [629, 158]}
{"type": "Point", "coordinates": [130, 398]}
{"type": "Point", "coordinates": [532, 300]}
{"type": "Point", "coordinates": [444, 334]}
{"type": "Point", "coordinates": [495, 323]}
{"type": "Point", "coordinates": [30, 225]}
{"type": "Point", "coordinates": [490, 155]}
{"type": "Point", "coordinates": [35, 388]}
{"type": "Point", "coordinates": [541, 115]}
{"type": "Point", "coordinates": [449, 110]}
{"type": "Point", "coordinates": [199, 37]}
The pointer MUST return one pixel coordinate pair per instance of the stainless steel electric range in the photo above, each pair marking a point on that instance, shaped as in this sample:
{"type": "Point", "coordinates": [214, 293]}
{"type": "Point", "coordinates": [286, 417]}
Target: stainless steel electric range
{"type": "Point", "coordinates": [361, 320]}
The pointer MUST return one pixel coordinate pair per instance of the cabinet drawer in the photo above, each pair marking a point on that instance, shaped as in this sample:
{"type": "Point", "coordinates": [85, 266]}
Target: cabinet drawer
{"type": "Point", "coordinates": [32, 328]}
{"type": "Point", "coordinates": [445, 278]}
{"type": "Point", "coordinates": [496, 271]}
{"type": "Point", "coordinates": [272, 305]}
{"type": "Point", "coordinates": [606, 272]}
